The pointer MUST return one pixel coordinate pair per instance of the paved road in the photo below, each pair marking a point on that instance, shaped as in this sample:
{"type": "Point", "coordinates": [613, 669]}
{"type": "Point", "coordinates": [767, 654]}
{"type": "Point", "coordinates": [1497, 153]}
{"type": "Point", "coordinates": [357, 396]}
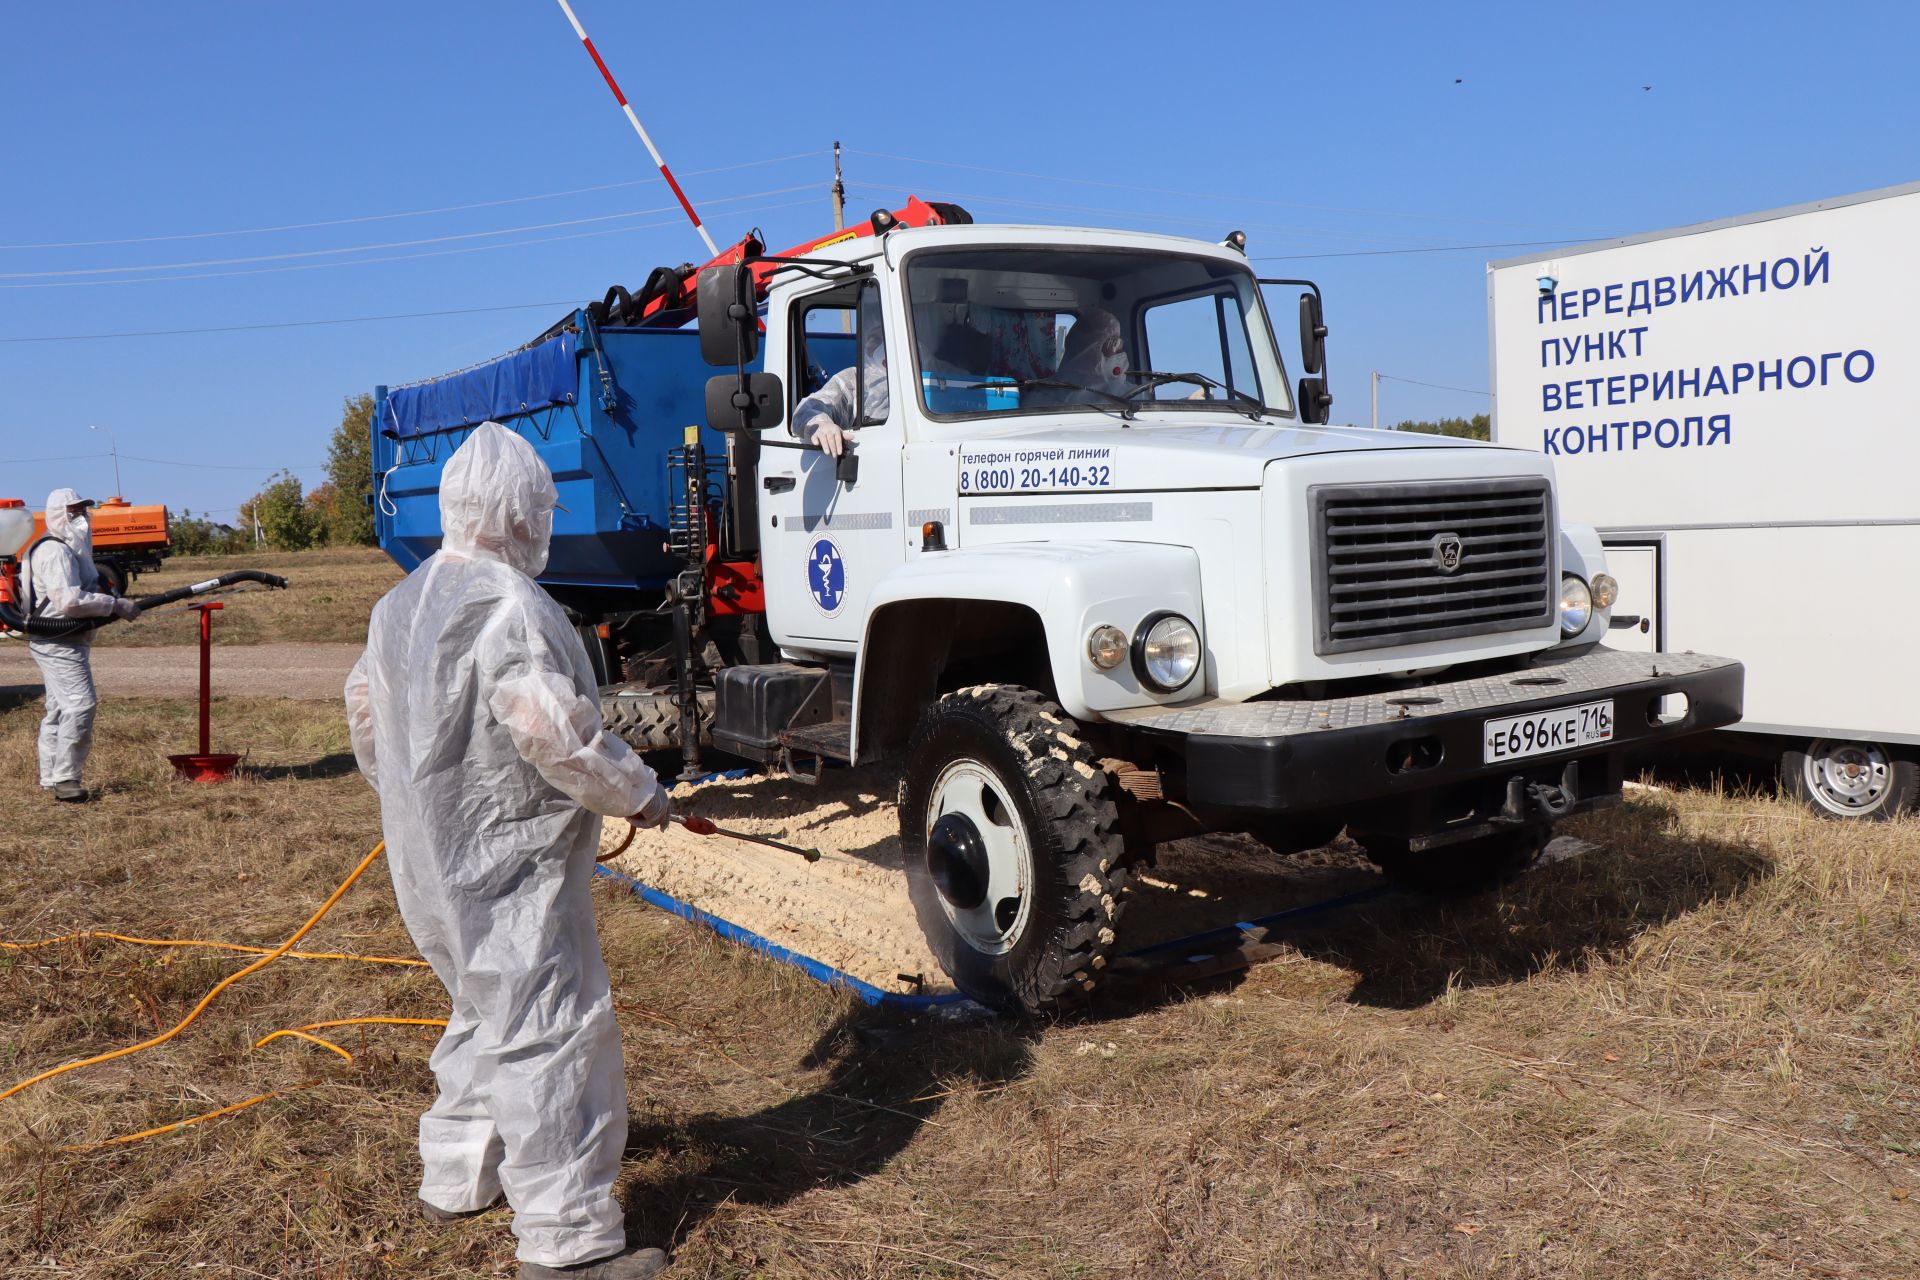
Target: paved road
{"type": "Point", "coordinates": [314, 671]}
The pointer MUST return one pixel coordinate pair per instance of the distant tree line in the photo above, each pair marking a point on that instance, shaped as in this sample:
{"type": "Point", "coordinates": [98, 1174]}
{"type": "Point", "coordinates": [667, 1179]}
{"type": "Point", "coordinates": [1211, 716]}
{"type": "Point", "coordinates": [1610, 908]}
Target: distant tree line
{"type": "Point", "coordinates": [1474, 428]}
{"type": "Point", "coordinates": [334, 513]}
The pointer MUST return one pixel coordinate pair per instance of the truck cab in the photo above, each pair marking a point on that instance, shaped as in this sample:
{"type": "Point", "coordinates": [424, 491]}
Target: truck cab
{"type": "Point", "coordinates": [1094, 572]}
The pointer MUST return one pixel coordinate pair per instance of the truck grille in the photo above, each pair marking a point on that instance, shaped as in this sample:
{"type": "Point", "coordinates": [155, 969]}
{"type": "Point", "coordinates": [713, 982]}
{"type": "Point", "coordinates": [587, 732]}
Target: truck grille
{"type": "Point", "coordinates": [1404, 563]}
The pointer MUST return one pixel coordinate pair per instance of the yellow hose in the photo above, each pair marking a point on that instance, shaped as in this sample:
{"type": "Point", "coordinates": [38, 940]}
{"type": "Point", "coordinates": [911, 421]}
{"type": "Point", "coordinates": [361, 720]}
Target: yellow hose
{"type": "Point", "coordinates": [209, 998]}
{"type": "Point", "coordinates": [201, 942]}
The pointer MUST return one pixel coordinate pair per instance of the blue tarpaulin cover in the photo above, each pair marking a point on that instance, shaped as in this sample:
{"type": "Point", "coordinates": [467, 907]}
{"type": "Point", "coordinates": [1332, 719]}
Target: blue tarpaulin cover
{"type": "Point", "coordinates": [520, 383]}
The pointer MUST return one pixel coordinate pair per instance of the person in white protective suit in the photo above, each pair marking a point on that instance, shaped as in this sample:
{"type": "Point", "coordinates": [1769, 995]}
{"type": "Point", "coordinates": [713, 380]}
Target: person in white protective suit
{"type": "Point", "coordinates": [825, 417]}
{"type": "Point", "coordinates": [61, 582]}
{"type": "Point", "coordinates": [475, 714]}
{"type": "Point", "coordinates": [1094, 357]}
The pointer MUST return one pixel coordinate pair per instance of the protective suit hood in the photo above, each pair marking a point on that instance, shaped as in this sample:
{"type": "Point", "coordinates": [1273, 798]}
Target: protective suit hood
{"type": "Point", "coordinates": [496, 500]}
{"type": "Point", "coordinates": [1096, 355]}
{"type": "Point", "coordinates": [77, 534]}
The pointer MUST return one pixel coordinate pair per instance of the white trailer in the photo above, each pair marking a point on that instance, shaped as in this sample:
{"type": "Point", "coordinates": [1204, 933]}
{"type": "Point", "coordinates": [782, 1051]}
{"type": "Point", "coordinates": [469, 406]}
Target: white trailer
{"type": "Point", "coordinates": [1733, 405]}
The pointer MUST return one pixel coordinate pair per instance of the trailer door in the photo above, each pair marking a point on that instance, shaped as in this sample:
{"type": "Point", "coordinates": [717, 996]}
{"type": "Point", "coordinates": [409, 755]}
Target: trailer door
{"type": "Point", "coordinates": [1636, 614]}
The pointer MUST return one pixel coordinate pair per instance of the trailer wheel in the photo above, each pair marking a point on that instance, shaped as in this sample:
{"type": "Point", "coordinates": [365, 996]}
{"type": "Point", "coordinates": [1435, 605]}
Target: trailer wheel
{"type": "Point", "coordinates": [1466, 867]}
{"type": "Point", "coordinates": [1013, 851]}
{"type": "Point", "coordinates": [1856, 780]}
{"type": "Point", "coordinates": [113, 576]}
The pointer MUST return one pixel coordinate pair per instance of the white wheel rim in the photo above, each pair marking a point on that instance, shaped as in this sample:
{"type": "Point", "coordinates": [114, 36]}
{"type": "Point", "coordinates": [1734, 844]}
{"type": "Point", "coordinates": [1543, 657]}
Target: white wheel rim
{"type": "Point", "coordinates": [1847, 778]}
{"type": "Point", "coordinates": [971, 790]}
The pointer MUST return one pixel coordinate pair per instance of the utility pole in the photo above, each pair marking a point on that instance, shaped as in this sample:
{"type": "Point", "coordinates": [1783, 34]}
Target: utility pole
{"type": "Point", "coordinates": [114, 445]}
{"type": "Point", "coordinates": [1376, 399]}
{"type": "Point", "coordinates": [839, 191]}
{"type": "Point", "coordinates": [840, 220]}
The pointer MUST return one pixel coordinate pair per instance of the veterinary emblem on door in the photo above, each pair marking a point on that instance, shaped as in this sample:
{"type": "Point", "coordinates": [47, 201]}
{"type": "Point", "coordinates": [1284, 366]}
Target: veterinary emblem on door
{"type": "Point", "coordinates": [826, 577]}
{"type": "Point", "coordinates": [1447, 550]}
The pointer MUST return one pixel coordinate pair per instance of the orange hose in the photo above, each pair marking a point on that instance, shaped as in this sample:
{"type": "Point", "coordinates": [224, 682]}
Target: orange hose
{"type": "Point", "coordinates": [209, 998]}
{"type": "Point", "coordinates": [181, 1124]}
{"type": "Point", "coordinates": [303, 1032]}
{"type": "Point", "coordinates": [200, 942]}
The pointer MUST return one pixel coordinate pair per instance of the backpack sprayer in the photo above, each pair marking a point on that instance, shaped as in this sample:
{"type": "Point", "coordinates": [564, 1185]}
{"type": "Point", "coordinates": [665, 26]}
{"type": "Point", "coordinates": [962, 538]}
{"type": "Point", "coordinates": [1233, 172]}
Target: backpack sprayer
{"type": "Point", "coordinates": [16, 613]}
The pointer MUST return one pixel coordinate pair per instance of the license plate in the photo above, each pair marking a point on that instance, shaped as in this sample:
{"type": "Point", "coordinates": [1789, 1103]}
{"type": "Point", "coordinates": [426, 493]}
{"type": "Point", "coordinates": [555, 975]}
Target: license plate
{"type": "Point", "coordinates": [1542, 732]}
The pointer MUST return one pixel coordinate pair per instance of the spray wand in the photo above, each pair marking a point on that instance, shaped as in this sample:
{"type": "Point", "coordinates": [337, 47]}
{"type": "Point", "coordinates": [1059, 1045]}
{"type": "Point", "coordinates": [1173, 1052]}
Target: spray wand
{"type": "Point", "coordinates": [696, 825]}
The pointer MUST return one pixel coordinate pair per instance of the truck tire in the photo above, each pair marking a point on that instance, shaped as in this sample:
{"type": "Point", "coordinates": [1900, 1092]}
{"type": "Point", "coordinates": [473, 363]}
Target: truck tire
{"type": "Point", "coordinates": [649, 720]}
{"type": "Point", "coordinates": [1461, 868]}
{"type": "Point", "coordinates": [1859, 781]}
{"type": "Point", "coordinates": [1013, 851]}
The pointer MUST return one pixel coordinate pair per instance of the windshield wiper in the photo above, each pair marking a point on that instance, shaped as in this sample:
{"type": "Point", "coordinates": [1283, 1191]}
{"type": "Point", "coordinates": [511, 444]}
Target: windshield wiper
{"type": "Point", "coordinates": [1197, 379]}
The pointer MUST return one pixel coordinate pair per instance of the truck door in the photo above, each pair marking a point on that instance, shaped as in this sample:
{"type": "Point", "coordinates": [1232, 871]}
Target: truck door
{"type": "Point", "coordinates": [1636, 567]}
{"type": "Point", "coordinates": [825, 544]}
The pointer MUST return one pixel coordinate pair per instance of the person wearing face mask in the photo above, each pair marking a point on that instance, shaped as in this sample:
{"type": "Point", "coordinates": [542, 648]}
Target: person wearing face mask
{"type": "Point", "coordinates": [825, 417]}
{"type": "Point", "coordinates": [475, 715]}
{"type": "Point", "coordinates": [60, 582]}
{"type": "Point", "coordinates": [1094, 357]}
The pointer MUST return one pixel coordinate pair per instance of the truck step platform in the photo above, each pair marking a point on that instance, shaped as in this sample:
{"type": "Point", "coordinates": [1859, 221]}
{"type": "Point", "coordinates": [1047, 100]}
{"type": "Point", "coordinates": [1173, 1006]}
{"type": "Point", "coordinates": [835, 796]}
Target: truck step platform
{"type": "Point", "coordinates": [828, 741]}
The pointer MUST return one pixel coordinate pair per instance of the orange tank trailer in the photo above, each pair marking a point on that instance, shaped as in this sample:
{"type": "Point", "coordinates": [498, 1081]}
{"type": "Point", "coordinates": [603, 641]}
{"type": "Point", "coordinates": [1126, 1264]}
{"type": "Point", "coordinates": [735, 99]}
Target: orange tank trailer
{"type": "Point", "coordinates": [118, 525]}
{"type": "Point", "coordinates": [127, 539]}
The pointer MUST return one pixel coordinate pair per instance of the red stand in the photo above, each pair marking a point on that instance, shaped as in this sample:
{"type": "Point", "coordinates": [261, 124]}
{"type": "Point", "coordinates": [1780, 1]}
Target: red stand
{"type": "Point", "coordinates": [206, 766]}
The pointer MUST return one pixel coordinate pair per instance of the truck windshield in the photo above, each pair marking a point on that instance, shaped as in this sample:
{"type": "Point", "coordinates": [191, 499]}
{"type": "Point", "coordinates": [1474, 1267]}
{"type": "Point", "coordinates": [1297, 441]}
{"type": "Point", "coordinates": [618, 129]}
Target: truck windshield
{"type": "Point", "coordinates": [1024, 330]}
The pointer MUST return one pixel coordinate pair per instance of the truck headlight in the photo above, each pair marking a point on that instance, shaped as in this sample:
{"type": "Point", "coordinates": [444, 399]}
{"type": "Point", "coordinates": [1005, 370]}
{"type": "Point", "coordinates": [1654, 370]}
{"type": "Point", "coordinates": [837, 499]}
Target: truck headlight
{"type": "Point", "coordinates": [1576, 606]}
{"type": "Point", "coordinates": [1605, 591]}
{"type": "Point", "coordinates": [1166, 651]}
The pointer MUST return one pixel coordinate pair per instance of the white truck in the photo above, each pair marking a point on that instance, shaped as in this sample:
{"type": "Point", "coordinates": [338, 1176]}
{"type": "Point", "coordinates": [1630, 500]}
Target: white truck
{"type": "Point", "coordinates": [1094, 574]}
{"type": "Point", "coordinates": [1732, 404]}
{"type": "Point", "coordinates": [1090, 614]}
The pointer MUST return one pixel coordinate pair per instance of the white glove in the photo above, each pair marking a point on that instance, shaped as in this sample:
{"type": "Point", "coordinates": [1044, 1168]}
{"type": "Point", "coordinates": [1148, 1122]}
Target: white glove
{"type": "Point", "coordinates": [829, 436]}
{"type": "Point", "coordinates": [654, 814]}
{"type": "Point", "coordinates": [125, 609]}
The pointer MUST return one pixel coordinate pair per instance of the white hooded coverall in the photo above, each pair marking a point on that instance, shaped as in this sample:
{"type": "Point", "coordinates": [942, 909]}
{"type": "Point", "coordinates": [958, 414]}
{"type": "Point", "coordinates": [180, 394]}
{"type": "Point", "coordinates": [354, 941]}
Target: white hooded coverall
{"type": "Point", "coordinates": [475, 715]}
{"type": "Point", "coordinates": [64, 577]}
{"type": "Point", "coordinates": [837, 402]}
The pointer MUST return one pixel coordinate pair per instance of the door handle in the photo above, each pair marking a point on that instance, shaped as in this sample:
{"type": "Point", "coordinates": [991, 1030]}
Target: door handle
{"type": "Point", "coordinates": [777, 484]}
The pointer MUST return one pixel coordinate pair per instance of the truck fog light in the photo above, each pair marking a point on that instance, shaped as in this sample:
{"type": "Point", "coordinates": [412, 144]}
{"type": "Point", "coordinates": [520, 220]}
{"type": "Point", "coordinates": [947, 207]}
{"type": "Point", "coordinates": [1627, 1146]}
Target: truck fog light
{"type": "Point", "coordinates": [1106, 647]}
{"type": "Point", "coordinates": [1166, 651]}
{"type": "Point", "coordinates": [1605, 591]}
{"type": "Point", "coordinates": [1576, 606]}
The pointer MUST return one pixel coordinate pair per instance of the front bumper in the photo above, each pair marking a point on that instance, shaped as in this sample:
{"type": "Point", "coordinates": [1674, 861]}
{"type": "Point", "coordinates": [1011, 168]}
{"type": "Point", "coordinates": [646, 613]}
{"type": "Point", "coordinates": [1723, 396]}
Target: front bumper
{"type": "Point", "coordinates": [1412, 757]}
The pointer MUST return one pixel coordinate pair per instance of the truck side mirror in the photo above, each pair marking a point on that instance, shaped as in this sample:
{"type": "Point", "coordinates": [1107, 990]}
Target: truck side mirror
{"type": "Point", "coordinates": [1313, 334]}
{"type": "Point", "coordinates": [753, 402]}
{"type": "Point", "coordinates": [729, 328]}
{"type": "Point", "coordinates": [1316, 402]}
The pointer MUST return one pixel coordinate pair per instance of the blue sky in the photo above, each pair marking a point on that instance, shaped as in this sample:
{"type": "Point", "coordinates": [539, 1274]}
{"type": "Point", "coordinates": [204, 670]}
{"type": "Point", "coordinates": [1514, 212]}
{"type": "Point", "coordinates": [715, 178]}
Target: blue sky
{"type": "Point", "coordinates": [1334, 134]}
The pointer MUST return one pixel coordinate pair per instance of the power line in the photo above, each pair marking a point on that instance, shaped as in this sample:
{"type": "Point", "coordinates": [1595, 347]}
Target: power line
{"type": "Point", "coordinates": [409, 213]}
{"type": "Point", "coordinates": [391, 244]}
{"type": "Point", "coordinates": [1438, 386]}
{"type": "Point", "coordinates": [280, 324]}
{"type": "Point", "coordinates": [1436, 248]}
{"type": "Point", "coordinates": [68, 457]}
{"type": "Point", "coordinates": [975, 198]}
{"type": "Point", "coordinates": [1189, 195]}
{"type": "Point", "coordinates": [361, 262]}
{"type": "Point", "coordinates": [227, 466]}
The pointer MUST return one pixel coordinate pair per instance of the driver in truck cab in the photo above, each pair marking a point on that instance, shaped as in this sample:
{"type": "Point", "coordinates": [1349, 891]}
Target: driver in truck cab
{"type": "Point", "coordinates": [825, 417]}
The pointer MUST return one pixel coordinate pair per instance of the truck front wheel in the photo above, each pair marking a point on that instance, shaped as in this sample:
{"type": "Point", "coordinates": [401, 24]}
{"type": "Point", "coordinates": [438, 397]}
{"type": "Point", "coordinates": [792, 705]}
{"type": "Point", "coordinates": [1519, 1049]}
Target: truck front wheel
{"type": "Point", "coordinates": [1850, 779]}
{"type": "Point", "coordinates": [1456, 868]}
{"type": "Point", "coordinates": [1014, 858]}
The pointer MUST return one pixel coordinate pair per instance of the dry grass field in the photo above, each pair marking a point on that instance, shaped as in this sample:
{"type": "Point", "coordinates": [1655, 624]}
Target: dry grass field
{"type": "Point", "coordinates": [329, 594]}
{"type": "Point", "coordinates": [1693, 1053]}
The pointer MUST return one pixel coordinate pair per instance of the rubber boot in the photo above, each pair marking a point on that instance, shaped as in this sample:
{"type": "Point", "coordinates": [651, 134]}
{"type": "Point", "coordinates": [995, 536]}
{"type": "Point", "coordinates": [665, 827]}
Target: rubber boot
{"type": "Point", "coordinates": [435, 1214]}
{"type": "Point", "coordinates": [634, 1264]}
